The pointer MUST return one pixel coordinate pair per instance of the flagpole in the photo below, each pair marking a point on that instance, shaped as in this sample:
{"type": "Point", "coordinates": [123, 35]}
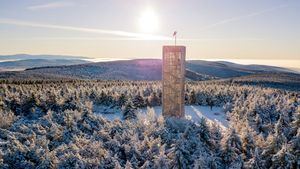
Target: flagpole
{"type": "Point", "coordinates": [175, 36]}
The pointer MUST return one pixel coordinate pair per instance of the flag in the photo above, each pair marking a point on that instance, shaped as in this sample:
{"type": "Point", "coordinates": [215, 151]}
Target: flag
{"type": "Point", "coordinates": [175, 33]}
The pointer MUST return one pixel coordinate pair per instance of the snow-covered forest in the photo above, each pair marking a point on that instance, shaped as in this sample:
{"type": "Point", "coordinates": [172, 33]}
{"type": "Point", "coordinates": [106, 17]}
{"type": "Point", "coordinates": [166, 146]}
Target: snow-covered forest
{"type": "Point", "coordinates": [53, 124]}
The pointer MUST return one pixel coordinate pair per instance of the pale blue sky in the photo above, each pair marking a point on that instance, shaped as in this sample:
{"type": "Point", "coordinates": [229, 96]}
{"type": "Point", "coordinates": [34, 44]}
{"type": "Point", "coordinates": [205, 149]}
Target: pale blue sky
{"type": "Point", "coordinates": [211, 29]}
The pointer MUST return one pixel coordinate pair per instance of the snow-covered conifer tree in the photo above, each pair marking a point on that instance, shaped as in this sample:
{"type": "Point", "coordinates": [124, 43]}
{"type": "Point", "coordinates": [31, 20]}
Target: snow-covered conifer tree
{"type": "Point", "coordinates": [248, 144]}
{"type": "Point", "coordinates": [122, 100]}
{"type": "Point", "coordinates": [192, 98]}
{"type": "Point", "coordinates": [204, 130]}
{"type": "Point", "coordinates": [232, 148]}
{"type": "Point", "coordinates": [256, 161]}
{"type": "Point", "coordinates": [284, 158]}
{"type": "Point", "coordinates": [128, 165]}
{"type": "Point", "coordinates": [154, 100]}
{"type": "Point", "coordinates": [161, 161]}
{"type": "Point", "coordinates": [129, 111]}
{"type": "Point", "coordinates": [138, 101]}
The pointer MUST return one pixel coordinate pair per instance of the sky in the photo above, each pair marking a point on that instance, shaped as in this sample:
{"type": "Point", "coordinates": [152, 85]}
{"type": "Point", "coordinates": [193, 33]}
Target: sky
{"type": "Point", "coordinates": [263, 31]}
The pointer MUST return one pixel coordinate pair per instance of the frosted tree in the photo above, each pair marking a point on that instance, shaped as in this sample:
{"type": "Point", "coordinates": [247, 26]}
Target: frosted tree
{"type": "Point", "coordinates": [284, 158]}
{"type": "Point", "coordinates": [275, 143]}
{"type": "Point", "coordinates": [296, 122]}
{"type": "Point", "coordinates": [154, 99]}
{"type": "Point", "coordinates": [161, 161]}
{"type": "Point", "coordinates": [128, 165]}
{"type": "Point", "coordinates": [248, 144]}
{"type": "Point", "coordinates": [1, 160]}
{"type": "Point", "coordinates": [232, 148]}
{"type": "Point", "coordinates": [93, 96]}
{"type": "Point", "coordinates": [129, 111]}
{"type": "Point", "coordinates": [138, 101]}
{"type": "Point", "coordinates": [122, 100]}
{"type": "Point", "coordinates": [216, 136]}
{"type": "Point", "coordinates": [206, 160]}
{"type": "Point", "coordinates": [7, 118]}
{"type": "Point", "coordinates": [104, 99]}
{"type": "Point", "coordinates": [256, 161]}
{"type": "Point", "coordinates": [210, 102]}
{"type": "Point", "coordinates": [265, 122]}
{"type": "Point", "coordinates": [282, 125]}
{"type": "Point", "coordinates": [182, 155]}
{"type": "Point", "coordinates": [53, 102]}
{"type": "Point", "coordinates": [146, 165]}
{"type": "Point", "coordinates": [29, 105]}
{"type": "Point", "coordinates": [117, 164]}
{"type": "Point", "coordinates": [192, 98]}
{"type": "Point", "coordinates": [204, 130]}
{"type": "Point", "coordinates": [187, 145]}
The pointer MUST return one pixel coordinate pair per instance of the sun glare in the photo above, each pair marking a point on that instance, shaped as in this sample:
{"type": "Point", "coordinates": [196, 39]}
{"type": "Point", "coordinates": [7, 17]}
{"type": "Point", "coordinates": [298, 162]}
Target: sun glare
{"type": "Point", "coordinates": [148, 21]}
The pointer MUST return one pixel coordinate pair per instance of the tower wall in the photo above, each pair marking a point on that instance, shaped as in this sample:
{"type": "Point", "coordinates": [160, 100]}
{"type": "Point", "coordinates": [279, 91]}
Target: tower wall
{"type": "Point", "coordinates": [173, 76]}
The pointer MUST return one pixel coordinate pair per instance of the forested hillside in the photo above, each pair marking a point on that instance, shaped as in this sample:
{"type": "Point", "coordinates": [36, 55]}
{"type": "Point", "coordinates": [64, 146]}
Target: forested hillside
{"type": "Point", "coordinates": [285, 81]}
{"type": "Point", "coordinates": [52, 124]}
{"type": "Point", "coordinates": [29, 63]}
{"type": "Point", "coordinates": [140, 69]}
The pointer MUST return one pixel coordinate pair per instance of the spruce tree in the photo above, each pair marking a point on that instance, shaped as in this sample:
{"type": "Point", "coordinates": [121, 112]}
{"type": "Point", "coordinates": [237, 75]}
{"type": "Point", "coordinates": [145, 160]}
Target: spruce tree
{"type": "Point", "coordinates": [128, 165]}
{"type": "Point", "coordinates": [192, 98]}
{"type": "Point", "coordinates": [232, 147]}
{"type": "Point", "coordinates": [122, 100]}
{"type": "Point", "coordinates": [129, 111]}
{"type": "Point", "coordinates": [204, 130]}
{"type": "Point", "coordinates": [154, 100]}
{"type": "Point", "coordinates": [138, 101]}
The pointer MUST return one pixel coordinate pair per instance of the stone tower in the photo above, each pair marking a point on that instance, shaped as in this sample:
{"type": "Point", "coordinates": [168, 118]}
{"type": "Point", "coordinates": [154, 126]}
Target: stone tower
{"type": "Point", "coordinates": [173, 75]}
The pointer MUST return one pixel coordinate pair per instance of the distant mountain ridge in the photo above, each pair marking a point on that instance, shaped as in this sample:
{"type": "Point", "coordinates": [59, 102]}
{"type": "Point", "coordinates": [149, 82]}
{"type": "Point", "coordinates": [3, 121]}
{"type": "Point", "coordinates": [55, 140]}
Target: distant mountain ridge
{"type": "Point", "coordinates": [142, 69]}
{"type": "Point", "coordinates": [224, 69]}
{"type": "Point", "coordinates": [27, 56]}
{"type": "Point", "coordinates": [29, 63]}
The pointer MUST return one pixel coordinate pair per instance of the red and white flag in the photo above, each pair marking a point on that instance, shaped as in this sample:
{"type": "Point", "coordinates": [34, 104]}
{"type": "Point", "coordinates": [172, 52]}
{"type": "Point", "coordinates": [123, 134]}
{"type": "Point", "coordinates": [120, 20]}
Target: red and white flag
{"type": "Point", "coordinates": [175, 33]}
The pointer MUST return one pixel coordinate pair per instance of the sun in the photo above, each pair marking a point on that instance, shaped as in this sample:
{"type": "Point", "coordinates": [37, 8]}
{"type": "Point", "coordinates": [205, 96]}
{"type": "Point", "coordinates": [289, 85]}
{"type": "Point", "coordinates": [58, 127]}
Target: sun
{"type": "Point", "coordinates": [148, 21]}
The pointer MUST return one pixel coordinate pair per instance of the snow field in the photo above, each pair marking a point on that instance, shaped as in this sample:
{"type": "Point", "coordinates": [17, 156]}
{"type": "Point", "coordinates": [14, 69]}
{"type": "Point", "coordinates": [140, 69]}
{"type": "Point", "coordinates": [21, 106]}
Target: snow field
{"type": "Point", "coordinates": [193, 113]}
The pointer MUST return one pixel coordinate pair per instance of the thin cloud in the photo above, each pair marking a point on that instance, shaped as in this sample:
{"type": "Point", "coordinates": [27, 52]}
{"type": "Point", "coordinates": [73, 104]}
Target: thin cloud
{"type": "Point", "coordinates": [134, 39]}
{"type": "Point", "coordinates": [123, 35]}
{"type": "Point", "coordinates": [221, 39]}
{"type": "Point", "coordinates": [83, 29]}
{"type": "Point", "coordinates": [233, 19]}
{"type": "Point", "coordinates": [127, 36]}
{"type": "Point", "coordinates": [51, 5]}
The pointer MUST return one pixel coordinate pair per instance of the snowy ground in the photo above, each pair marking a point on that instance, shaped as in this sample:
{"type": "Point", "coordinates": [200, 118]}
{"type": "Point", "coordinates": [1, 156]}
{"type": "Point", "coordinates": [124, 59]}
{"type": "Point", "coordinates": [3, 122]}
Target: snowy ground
{"type": "Point", "coordinates": [194, 113]}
